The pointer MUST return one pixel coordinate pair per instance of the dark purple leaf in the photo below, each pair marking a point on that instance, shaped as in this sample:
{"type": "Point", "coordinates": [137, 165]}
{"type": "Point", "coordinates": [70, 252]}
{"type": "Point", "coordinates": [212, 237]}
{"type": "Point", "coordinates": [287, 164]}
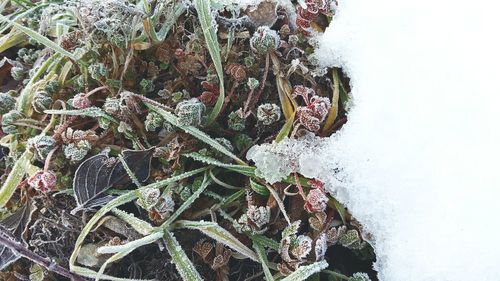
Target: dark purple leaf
{"type": "Point", "coordinates": [98, 173]}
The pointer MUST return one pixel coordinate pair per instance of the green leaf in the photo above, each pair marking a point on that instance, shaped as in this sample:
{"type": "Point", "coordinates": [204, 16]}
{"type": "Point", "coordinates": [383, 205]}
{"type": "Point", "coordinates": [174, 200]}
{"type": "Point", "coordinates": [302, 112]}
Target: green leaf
{"type": "Point", "coordinates": [178, 10]}
{"type": "Point", "coordinates": [13, 38]}
{"type": "Point", "coordinates": [260, 189]}
{"type": "Point", "coordinates": [261, 253]}
{"type": "Point", "coordinates": [40, 38]}
{"type": "Point", "coordinates": [88, 112]}
{"type": "Point", "coordinates": [184, 266]}
{"type": "Point", "coordinates": [339, 207]}
{"type": "Point", "coordinates": [303, 272]}
{"type": "Point", "coordinates": [23, 103]}
{"type": "Point", "coordinates": [334, 276]}
{"type": "Point", "coordinates": [187, 203]}
{"type": "Point", "coordinates": [195, 132]}
{"type": "Point", "coordinates": [15, 177]}
{"type": "Point", "coordinates": [285, 131]}
{"type": "Point", "coordinates": [143, 227]}
{"type": "Point", "coordinates": [219, 234]}
{"type": "Point", "coordinates": [207, 23]}
{"type": "Point", "coordinates": [233, 197]}
{"type": "Point", "coordinates": [332, 114]}
{"type": "Point", "coordinates": [132, 245]}
{"type": "Point", "coordinates": [266, 242]}
{"type": "Point", "coordinates": [242, 169]}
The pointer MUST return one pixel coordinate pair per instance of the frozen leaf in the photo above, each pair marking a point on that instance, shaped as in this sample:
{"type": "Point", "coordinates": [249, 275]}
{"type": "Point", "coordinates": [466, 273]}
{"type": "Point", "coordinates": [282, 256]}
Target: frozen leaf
{"type": "Point", "coordinates": [100, 172]}
{"type": "Point", "coordinates": [305, 271]}
{"type": "Point", "coordinates": [184, 266]}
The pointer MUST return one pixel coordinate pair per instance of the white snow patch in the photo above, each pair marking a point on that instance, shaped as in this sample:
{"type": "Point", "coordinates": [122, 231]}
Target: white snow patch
{"type": "Point", "coordinates": [420, 150]}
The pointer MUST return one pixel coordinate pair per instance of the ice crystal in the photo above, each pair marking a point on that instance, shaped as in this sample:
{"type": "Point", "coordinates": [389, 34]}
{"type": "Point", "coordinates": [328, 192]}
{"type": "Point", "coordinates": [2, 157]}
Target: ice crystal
{"type": "Point", "coordinates": [275, 161]}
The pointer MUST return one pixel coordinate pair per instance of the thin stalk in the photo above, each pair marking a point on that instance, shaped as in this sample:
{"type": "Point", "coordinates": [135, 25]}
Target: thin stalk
{"type": "Point", "coordinates": [262, 82]}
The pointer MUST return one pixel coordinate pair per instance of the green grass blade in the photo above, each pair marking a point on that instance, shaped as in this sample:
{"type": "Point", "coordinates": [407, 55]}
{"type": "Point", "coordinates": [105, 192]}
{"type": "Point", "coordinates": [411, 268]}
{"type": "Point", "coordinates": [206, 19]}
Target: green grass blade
{"type": "Point", "coordinates": [132, 245]}
{"type": "Point", "coordinates": [143, 227]}
{"type": "Point", "coordinates": [15, 177]}
{"type": "Point", "coordinates": [261, 253]}
{"type": "Point", "coordinates": [332, 114]}
{"type": "Point", "coordinates": [23, 103]}
{"type": "Point", "coordinates": [195, 132]}
{"type": "Point", "coordinates": [13, 38]}
{"type": "Point", "coordinates": [88, 112]}
{"type": "Point", "coordinates": [219, 234]}
{"type": "Point", "coordinates": [187, 203]}
{"type": "Point", "coordinates": [242, 169]}
{"type": "Point", "coordinates": [285, 131]}
{"type": "Point", "coordinates": [40, 38]}
{"type": "Point", "coordinates": [23, 14]}
{"type": "Point", "coordinates": [184, 266]}
{"type": "Point", "coordinates": [303, 272]}
{"type": "Point", "coordinates": [207, 25]}
{"type": "Point", "coordinates": [266, 242]}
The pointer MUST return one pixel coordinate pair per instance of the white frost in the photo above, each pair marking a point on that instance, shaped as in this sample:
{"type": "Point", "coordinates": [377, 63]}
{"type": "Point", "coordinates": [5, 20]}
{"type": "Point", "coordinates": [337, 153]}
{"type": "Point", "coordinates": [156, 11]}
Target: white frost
{"type": "Point", "coordinates": [276, 161]}
{"type": "Point", "coordinates": [420, 150]}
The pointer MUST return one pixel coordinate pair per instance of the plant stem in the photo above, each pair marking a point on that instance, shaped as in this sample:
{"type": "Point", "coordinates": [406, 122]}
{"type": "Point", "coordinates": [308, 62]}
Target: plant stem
{"type": "Point", "coordinates": [10, 242]}
{"type": "Point", "coordinates": [262, 83]}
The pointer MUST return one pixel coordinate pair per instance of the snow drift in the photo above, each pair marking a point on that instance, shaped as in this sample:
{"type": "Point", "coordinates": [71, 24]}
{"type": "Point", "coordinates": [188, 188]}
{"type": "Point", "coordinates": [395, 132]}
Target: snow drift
{"type": "Point", "coordinates": [420, 151]}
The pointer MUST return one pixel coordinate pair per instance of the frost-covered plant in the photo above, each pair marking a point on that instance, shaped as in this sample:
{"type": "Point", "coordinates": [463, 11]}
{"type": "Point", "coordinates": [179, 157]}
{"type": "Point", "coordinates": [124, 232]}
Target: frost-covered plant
{"type": "Point", "coordinates": [112, 106]}
{"type": "Point", "coordinates": [352, 240]}
{"type": "Point", "coordinates": [316, 201]}
{"type": "Point", "coordinates": [293, 248]}
{"type": "Point", "coordinates": [8, 121]}
{"type": "Point", "coordinates": [18, 73]}
{"type": "Point", "coordinates": [147, 85]}
{"type": "Point", "coordinates": [236, 120]}
{"type": "Point", "coordinates": [359, 276]}
{"type": "Point", "coordinates": [190, 112]}
{"type": "Point", "coordinates": [314, 113]}
{"type": "Point", "coordinates": [98, 71]}
{"type": "Point", "coordinates": [81, 101]}
{"type": "Point", "coordinates": [254, 220]}
{"type": "Point", "coordinates": [43, 181]}
{"type": "Point", "coordinates": [52, 87]}
{"type": "Point", "coordinates": [75, 152]}
{"type": "Point", "coordinates": [253, 83]}
{"type": "Point", "coordinates": [42, 145]}
{"type": "Point", "coordinates": [131, 102]}
{"type": "Point", "coordinates": [41, 101]}
{"type": "Point", "coordinates": [153, 121]}
{"type": "Point", "coordinates": [108, 21]}
{"type": "Point", "coordinates": [264, 40]}
{"type": "Point", "coordinates": [7, 103]}
{"type": "Point", "coordinates": [268, 113]}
